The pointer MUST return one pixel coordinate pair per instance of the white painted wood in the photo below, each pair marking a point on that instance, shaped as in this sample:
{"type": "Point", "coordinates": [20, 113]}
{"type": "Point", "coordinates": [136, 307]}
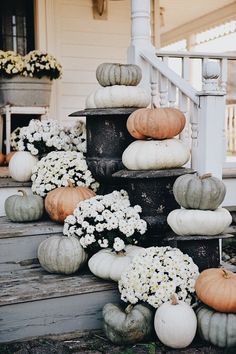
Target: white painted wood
{"type": "Point", "coordinates": [210, 124]}
{"type": "Point", "coordinates": [199, 23]}
{"type": "Point", "coordinates": [180, 83]}
{"type": "Point", "coordinates": [77, 311]}
{"type": "Point", "coordinates": [230, 197]}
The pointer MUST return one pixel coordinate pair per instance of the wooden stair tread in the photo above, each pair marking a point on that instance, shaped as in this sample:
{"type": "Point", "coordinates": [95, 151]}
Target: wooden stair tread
{"type": "Point", "coordinates": [6, 182]}
{"type": "Point", "coordinates": [37, 284]}
{"type": "Point", "coordinates": [13, 229]}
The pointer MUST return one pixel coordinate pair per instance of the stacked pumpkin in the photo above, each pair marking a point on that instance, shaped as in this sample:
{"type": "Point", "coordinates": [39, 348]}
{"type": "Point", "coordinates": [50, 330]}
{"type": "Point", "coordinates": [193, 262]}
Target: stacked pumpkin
{"type": "Point", "coordinates": [216, 288]}
{"type": "Point", "coordinates": [200, 198]}
{"type": "Point", "coordinates": [119, 87]}
{"type": "Point", "coordinates": [156, 147]}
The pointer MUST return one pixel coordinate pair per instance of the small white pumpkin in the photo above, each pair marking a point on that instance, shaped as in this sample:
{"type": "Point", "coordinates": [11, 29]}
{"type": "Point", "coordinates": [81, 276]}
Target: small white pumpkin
{"type": "Point", "coordinates": [61, 254]}
{"type": "Point", "coordinates": [199, 222]}
{"type": "Point", "coordinates": [118, 96]}
{"type": "Point", "coordinates": [21, 164]}
{"type": "Point", "coordinates": [175, 323]}
{"type": "Point", "coordinates": [155, 154]}
{"type": "Point", "coordinates": [107, 264]}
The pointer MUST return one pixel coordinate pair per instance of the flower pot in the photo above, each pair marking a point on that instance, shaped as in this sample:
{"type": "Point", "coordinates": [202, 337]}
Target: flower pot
{"type": "Point", "coordinates": [25, 91]}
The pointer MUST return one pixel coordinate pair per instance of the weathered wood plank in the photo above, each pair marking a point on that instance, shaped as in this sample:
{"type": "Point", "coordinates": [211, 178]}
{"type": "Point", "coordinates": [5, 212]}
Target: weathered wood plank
{"type": "Point", "coordinates": [9, 182]}
{"type": "Point", "coordinates": [35, 285]}
{"type": "Point", "coordinates": [54, 316]}
{"type": "Point", "coordinates": [41, 227]}
{"type": "Point", "coordinates": [19, 252]}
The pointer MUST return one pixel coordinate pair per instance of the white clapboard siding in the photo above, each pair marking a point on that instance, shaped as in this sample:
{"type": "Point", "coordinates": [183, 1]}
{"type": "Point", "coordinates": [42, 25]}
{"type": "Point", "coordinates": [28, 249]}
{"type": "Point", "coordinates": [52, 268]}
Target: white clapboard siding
{"type": "Point", "coordinates": [82, 43]}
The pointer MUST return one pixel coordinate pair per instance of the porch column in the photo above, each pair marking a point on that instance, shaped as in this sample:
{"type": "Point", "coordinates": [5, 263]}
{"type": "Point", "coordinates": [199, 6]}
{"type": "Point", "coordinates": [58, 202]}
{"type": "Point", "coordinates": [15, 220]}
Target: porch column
{"type": "Point", "coordinates": [210, 142]}
{"type": "Point", "coordinates": [140, 37]}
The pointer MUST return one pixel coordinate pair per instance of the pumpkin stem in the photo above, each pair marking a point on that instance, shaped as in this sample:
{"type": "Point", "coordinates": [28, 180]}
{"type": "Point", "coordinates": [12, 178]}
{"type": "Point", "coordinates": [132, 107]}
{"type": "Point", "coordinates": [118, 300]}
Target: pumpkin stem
{"type": "Point", "coordinates": [206, 175]}
{"type": "Point", "coordinates": [70, 184]}
{"type": "Point", "coordinates": [226, 274]}
{"type": "Point", "coordinates": [128, 309]}
{"type": "Point", "coordinates": [174, 299]}
{"type": "Point", "coordinates": [23, 192]}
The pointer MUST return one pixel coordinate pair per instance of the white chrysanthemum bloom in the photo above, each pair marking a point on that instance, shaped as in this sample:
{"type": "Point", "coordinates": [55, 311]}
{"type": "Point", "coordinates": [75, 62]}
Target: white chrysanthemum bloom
{"type": "Point", "coordinates": [107, 217]}
{"type": "Point", "coordinates": [156, 273]}
{"type": "Point", "coordinates": [54, 170]}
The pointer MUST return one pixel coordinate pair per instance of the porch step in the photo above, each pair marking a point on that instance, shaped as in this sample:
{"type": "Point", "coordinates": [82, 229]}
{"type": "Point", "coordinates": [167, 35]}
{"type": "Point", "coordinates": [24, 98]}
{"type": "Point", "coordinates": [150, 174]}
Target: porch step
{"type": "Point", "coordinates": [9, 187]}
{"type": "Point", "coordinates": [19, 242]}
{"type": "Point", "coordinates": [35, 303]}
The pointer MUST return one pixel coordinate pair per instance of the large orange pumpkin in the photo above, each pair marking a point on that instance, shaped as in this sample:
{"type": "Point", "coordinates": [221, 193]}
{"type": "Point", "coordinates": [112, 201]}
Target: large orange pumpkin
{"type": "Point", "coordinates": [2, 159]}
{"type": "Point", "coordinates": [156, 123]}
{"type": "Point", "coordinates": [216, 287]}
{"type": "Point", "coordinates": [61, 202]}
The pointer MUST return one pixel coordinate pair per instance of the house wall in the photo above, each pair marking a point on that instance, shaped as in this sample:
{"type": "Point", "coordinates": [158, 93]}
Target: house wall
{"type": "Point", "coordinates": [67, 29]}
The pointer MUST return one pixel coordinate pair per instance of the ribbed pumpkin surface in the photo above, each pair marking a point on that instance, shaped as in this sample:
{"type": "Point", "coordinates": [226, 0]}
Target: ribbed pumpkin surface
{"type": "Point", "coordinates": [23, 208]}
{"type": "Point", "coordinates": [118, 96]}
{"type": "Point", "coordinates": [155, 154]}
{"type": "Point", "coordinates": [109, 74]}
{"type": "Point", "coordinates": [156, 123]}
{"type": "Point", "coordinates": [61, 254]}
{"type": "Point", "coordinates": [193, 192]}
{"type": "Point", "coordinates": [62, 201]}
{"type": "Point", "coordinates": [216, 327]}
{"type": "Point", "coordinates": [186, 222]}
{"type": "Point", "coordinates": [216, 288]}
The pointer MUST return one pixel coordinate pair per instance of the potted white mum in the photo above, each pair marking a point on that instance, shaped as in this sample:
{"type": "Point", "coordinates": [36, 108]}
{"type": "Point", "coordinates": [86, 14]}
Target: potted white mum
{"type": "Point", "coordinates": [27, 80]}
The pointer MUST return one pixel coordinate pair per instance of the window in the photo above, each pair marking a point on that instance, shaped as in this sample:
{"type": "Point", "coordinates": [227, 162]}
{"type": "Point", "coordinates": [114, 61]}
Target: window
{"type": "Point", "coordinates": [17, 25]}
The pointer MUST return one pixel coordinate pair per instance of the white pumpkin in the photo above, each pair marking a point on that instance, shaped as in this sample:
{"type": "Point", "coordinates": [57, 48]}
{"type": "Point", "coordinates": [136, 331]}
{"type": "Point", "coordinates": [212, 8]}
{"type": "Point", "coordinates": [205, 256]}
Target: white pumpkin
{"type": "Point", "coordinates": [199, 222]}
{"type": "Point", "coordinates": [61, 254]}
{"type": "Point", "coordinates": [21, 164]}
{"type": "Point", "coordinates": [175, 323]}
{"type": "Point", "coordinates": [107, 264]}
{"type": "Point", "coordinates": [155, 154]}
{"type": "Point", "coordinates": [118, 96]}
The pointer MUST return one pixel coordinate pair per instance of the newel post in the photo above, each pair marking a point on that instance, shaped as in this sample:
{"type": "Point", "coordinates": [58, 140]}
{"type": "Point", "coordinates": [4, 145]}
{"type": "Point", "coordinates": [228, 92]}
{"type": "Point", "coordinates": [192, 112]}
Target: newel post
{"type": "Point", "coordinates": [140, 37]}
{"type": "Point", "coordinates": [211, 115]}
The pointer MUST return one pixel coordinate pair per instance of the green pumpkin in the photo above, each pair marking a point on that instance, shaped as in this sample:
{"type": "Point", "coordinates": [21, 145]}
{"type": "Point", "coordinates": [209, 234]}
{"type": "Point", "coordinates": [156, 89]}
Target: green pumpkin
{"type": "Point", "coordinates": [194, 192]}
{"type": "Point", "coordinates": [110, 74]}
{"type": "Point", "coordinates": [23, 208]}
{"type": "Point", "coordinates": [128, 326]}
{"type": "Point", "coordinates": [218, 328]}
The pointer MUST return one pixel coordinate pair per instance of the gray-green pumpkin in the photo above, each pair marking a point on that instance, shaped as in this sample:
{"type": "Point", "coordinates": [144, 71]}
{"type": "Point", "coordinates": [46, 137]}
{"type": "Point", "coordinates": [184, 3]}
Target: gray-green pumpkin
{"type": "Point", "coordinates": [194, 192]}
{"type": "Point", "coordinates": [127, 326]}
{"type": "Point", "coordinates": [24, 207]}
{"type": "Point", "coordinates": [110, 74]}
{"type": "Point", "coordinates": [218, 328]}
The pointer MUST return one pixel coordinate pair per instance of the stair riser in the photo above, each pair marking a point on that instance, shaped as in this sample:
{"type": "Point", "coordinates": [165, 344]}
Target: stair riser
{"type": "Point", "coordinates": [230, 198]}
{"type": "Point", "coordinates": [7, 192]}
{"type": "Point", "coordinates": [54, 316]}
{"type": "Point", "coordinates": [19, 252]}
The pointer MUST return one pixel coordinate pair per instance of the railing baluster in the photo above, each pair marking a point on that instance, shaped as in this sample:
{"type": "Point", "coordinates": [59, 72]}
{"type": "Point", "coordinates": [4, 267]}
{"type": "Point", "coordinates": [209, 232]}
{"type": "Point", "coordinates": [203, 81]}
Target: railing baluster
{"type": "Point", "coordinates": [234, 120]}
{"type": "Point", "coordinates": [230, 129]}
{"type": "Point", "coordinates": [194, 133]}
{"type": "Point", "coordinates": [172, 94]}
{"type": "Point", "coordinates": [154, 87]}
{"type": "Point", "coordinates": [224, 72]}
{"type": "Point", "coordinates": [183, 103]}
{"type": "Point", "coordinates": [164, 87]}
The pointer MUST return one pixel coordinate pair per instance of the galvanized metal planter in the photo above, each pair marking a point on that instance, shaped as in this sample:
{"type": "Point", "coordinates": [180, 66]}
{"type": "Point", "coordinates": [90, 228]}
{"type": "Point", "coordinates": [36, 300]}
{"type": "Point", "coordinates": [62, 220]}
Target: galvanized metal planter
{"type": "Point", "coordinates": [25, 91]}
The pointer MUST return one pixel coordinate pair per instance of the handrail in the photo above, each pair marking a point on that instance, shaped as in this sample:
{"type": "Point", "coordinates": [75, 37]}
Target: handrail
{"type": "Point", "coordinates": [174, 78]}
{"type": "Point", "coordinates": [194, 55]}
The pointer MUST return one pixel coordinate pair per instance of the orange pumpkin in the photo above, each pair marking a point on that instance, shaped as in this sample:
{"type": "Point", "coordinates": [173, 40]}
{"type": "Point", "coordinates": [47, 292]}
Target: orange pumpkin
{"type": "Point", "coordinates": [2, 159]}
{"type": "Point", "coordinates": [9, 156]}
{"type": "Point", "coordinates": [61, 202]}
{"type": "Point", "coordinates": [155, 123]}
{"type": "Point", "coordinates": [216, 287]}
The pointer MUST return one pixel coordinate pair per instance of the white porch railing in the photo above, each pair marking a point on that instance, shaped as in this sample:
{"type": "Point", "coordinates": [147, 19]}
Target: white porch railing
{"type": "Point", "coordinates": [230, 128]}
{"type": "Point", "coordinates": [204, 109]}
